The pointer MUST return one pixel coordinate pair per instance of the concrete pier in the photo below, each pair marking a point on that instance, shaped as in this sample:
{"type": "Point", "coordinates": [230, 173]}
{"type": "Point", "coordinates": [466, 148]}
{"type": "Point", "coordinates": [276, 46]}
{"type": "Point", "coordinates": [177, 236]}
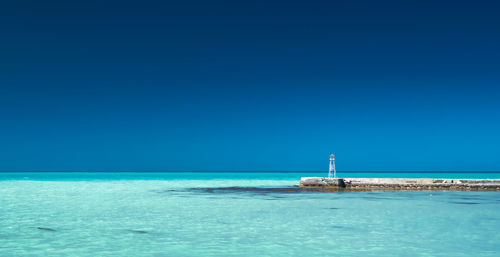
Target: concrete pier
{"type": "Point", "coordinates": [400, 184]}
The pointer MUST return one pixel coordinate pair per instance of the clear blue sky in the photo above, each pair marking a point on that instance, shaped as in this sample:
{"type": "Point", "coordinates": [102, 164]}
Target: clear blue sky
{"type": "Point", "coordinates": [249, 85]}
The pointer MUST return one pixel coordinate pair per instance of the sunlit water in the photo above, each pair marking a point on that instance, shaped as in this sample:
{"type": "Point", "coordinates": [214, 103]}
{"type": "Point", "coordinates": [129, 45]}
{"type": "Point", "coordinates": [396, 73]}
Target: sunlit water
{"type": "Point", "coordinates": [195, 214]}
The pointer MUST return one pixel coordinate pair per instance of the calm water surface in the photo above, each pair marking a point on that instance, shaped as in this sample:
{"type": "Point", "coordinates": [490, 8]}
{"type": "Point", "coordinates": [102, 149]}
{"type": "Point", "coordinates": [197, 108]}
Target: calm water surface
{"type": "Point", "coordinates": [238, 214]}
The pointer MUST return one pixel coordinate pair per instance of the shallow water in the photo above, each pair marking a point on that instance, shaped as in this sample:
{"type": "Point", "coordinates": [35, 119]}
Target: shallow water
{"type": "Point", "coordinates": [227, 214]}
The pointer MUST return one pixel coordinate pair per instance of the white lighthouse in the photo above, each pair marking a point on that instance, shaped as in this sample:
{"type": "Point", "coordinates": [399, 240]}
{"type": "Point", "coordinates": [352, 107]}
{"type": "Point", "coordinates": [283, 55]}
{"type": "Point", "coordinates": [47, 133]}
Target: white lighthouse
{"type": "Point", "coordinates": [332, 167]}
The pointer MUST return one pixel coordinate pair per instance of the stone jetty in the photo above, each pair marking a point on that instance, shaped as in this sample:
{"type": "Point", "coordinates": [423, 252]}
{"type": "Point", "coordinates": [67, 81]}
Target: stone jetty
{"type": "Point", "coordinates": [400, 184]}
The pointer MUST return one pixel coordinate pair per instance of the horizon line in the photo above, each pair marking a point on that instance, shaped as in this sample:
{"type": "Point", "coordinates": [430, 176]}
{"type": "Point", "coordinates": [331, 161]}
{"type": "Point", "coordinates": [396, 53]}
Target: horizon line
{"type": "Point", "coordinates": [256, 171]}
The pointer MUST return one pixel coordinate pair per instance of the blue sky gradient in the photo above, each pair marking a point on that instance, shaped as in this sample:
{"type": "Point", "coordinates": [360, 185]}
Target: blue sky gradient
{"type": "Point", "coordinates": [256, 85]}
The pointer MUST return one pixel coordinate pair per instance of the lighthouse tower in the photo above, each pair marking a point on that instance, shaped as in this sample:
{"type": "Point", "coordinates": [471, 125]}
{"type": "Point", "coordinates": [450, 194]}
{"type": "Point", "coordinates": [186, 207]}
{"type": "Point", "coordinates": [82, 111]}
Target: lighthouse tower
{"type": "Point", "coordinates": [332, 167]}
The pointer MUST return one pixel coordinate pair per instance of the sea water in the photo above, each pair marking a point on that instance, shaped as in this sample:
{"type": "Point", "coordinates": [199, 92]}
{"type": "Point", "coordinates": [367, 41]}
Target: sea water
{"type": "Point", "coordinates": [238, 214]}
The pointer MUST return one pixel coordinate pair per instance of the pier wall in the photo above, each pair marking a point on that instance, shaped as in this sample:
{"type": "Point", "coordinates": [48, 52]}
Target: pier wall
{"type": "Point", "coordinates": [409, 184]}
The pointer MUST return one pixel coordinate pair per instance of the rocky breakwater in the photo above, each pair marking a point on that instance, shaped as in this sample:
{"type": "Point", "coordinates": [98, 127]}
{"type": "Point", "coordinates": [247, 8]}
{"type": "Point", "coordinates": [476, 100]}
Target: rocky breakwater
{"type": "Point", "coordinates": [396, 184]}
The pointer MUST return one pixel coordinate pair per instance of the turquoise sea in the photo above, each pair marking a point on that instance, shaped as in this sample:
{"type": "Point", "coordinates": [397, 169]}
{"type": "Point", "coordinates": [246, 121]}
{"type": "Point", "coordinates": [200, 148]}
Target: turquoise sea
{"type": "Point", "coordinates": [237, 214]}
